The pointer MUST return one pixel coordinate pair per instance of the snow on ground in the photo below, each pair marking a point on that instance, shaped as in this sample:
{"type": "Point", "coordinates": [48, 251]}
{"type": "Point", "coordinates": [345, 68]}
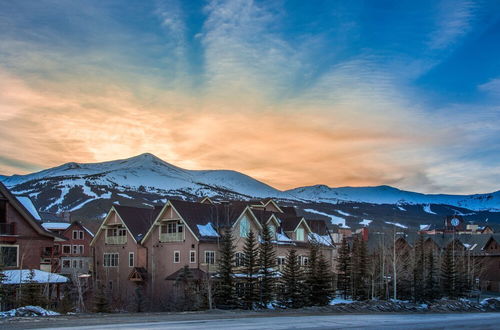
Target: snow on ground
{"type": "Point", "coordinates": [28, 204]}
{"type": "Point", "coordinates": [55, 225]}
{"type": "Point", "coordinates": [401, 208]}
{"type": "Point", "coordinates": [19, 276]}
{"type": "Point", "coordinates": [427, 208]}
{"type": "Point", "coordinates": [425, 227]}
{"type": "Point", "coordinates": [397, 224]}
{"type": "Point", "coordinates": [28, 311]}
{"type": "Point", "coordinates": [336, 301]}
{"type": "Point", "coordinates": [365, 222]}
{"type": "Point", "coordinates": [333, 219]}
{"type": "Point", "coordinates": [79, 206]}
{"type": "Point", "coordinates": [58, 201]}
{"type": "Point", "coordinates": [124, 195]}
{"type": "Point", "coordinates": [207, 230]}
{"type": "Point", "coordinates": [343, 213]}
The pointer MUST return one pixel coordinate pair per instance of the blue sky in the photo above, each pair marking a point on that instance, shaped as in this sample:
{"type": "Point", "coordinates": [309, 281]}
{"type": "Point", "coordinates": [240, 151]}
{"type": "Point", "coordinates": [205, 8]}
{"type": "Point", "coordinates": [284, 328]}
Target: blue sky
{"type": "Point", "coordinates": [405, 93]}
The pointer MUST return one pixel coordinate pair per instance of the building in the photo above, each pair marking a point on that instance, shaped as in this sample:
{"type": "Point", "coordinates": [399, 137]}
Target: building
{"type": "Point", "coordinates": [146, 247]}
{"type": "Point", "coordinates": [24, 243]}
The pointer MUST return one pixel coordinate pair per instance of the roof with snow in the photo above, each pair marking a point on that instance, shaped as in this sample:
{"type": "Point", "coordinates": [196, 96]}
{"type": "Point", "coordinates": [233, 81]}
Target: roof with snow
{"type": "Point", "coordinates": [28, 204]}
{"type": "Point", "coordinates": [55, 225]}
{"type": "Point", "coordinates": [19, 276]}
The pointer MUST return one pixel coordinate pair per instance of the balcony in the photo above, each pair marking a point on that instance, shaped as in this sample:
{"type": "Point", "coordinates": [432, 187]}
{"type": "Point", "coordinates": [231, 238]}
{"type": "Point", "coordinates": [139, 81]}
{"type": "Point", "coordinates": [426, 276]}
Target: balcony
{"type": "Point", "coordinates": [8, 228]}
{"type": "Point", "coordinates": [171, 237]}
{"type": "Point", "coordinates": [116, 240]}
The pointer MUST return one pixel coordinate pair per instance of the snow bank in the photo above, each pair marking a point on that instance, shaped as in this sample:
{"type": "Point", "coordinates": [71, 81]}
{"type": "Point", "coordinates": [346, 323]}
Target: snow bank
{"type": "Point", "coordinates": [365, 222]}
{"type": "Point", "coordinates": [336, 301]}
{"type": "Point", "coordinates": [207, 230]}
{"type": "Point", "coordinates": [55, 225]}
{"type": "Point", "coordinates": [28, 311]}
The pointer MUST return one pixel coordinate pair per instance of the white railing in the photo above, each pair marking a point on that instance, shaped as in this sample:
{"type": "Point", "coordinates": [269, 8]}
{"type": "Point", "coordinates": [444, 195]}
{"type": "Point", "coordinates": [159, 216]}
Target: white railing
{"type": "Point", "coordinates": [171, 237]}
{"type": "Point", "coordinates": [116, 239]}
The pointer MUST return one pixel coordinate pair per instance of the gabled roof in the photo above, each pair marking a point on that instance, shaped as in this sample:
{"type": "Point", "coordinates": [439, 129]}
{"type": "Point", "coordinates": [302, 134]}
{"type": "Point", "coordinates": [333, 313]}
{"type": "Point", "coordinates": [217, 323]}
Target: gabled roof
{"type": "Point", "coordinates": [138, 220]}
{"type": "Point", "coordinates": [196, 274]}
{"type": "Point", "coordinates": [25, 213]}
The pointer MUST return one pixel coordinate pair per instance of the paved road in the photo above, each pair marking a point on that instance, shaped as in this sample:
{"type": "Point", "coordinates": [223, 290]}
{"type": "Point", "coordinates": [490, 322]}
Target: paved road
{"type": "Point", "coordinates": [373, 321]}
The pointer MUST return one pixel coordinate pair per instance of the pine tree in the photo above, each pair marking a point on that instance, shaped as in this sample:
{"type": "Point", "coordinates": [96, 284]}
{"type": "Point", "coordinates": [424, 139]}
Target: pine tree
{"type": "Point", "coordinates": [31, 294]}
{"type": "Point", "coordinates": [448, 274]}
{"type": "Point", "coordinates": [431, 285]}
{"type": "Point", "coordinates": [267, 261]}
{"type": "Point", "coordinates": [226, 295]}
{"type": "Point", "coordinates": [344, 269]}
{"type": "Point", "coordinates": [291, 292]}
{"type": "Point", "coordinates": [419, 270]}
{"type": "Point", "coordinates": [311, 273]}
{"type": "Point", "coordinates": [250, 270]}
{"type": "Point", "coordinates": [101, 304]}
{"type": "Point", "coordinates": [323, 292]}
{"type": "Point", "coordinates": [184, 281]}
{"type": "Point", "coordinates": [359, 264]}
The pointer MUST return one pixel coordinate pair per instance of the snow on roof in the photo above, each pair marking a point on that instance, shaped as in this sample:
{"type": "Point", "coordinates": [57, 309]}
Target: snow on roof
{"type": "Point", "coordinates": [425, 227]}
{"type": "Point", "coordinates": [55, 225]}
{"type": "Point", "coordinates": [28, 204]}
{"type": "Point", "coordinates": [397, 224]}
{"type": "Point", "coordinates": [365, 222]}
{"type": "Point", "coordinates": [18, 275]}
{"type": "Point", "coordinates": [88, 231]}
{"type": "Point", "coordinates": [207, 230]}
{"type": "Point", "coordinates": [282, 237]}
{"type": "Point", "coordinates": [321, 239]}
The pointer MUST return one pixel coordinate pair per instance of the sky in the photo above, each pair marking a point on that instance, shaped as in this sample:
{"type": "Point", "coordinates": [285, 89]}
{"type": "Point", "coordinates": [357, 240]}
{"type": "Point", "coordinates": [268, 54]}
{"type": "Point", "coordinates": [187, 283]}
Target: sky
{"type": "Point", "coordinates": [293, 93]}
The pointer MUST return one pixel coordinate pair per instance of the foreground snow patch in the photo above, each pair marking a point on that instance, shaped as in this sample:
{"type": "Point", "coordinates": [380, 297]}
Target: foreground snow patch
{"type": "Point", "coordinates": [28, 311]}
{"type": "Point", "coordinates": [427, 208]}
{"type": "Point", "coordinates": [397, 224]}
{"type": "Point", "coordinates": [336, 301]}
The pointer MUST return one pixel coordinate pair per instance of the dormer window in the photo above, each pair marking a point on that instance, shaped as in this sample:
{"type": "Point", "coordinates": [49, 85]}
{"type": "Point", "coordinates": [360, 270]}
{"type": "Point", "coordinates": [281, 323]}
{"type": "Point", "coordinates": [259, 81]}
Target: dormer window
{"type": "Point", "coordinates": [244, 227]}
{"type": "Point", "coordinates": [272, 230]}
{"type": "Point", "coordinates": [299, 234]}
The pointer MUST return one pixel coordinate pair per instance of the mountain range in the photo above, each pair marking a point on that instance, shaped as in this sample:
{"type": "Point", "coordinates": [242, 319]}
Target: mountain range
{"type": "Point", "coordinates": [88, 191]}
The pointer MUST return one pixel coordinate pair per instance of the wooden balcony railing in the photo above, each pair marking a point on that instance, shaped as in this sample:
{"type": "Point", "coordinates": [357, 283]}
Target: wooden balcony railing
{"type": "Point", "coordinates": [171, 237]}
{"type": "Point", "coordinates": [116, 239]}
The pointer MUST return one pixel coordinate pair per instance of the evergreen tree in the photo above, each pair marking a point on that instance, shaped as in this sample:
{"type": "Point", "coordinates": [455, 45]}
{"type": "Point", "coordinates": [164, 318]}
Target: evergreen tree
{"type": "Point", "coordinates": [31, 293]}
{"type": "Point", "coordinates": [419, 270]}
{"type": "Point", "coordinates": [323, 292]}
{"type": "Point", "coordinates": [448, 273]}
{"type": "Point", "coordinates": [291, 292]}
{"type": "Point", "coordinates": [226, 295]}
{"type": "Point", "coordinates": [101, 304]}
{"type": "Point", "coordinates": [311, 274]}
{"type": "Point", "coordinates": [359, 271]}
{"type": "Point", "coordinates": [344, 269]}
{"type": "Point", "coordinates": [267, 261]}
{"type": "Point", "coordinates": [462, 284]}
{"type": "Point", "coordinates": [184, 282]}
{"type": "Point", "coordinates": [431, 285]}
{"type": "Point", "coordinates": [250, 269]}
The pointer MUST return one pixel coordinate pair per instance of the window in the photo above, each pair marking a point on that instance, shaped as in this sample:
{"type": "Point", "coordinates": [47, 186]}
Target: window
{"type": "Point", "coordinates": [75, 234]}
{"type": "Point", "coordinates": [244, 227]}
{"type": "Point", "coordinates": [192, 256]}
{"type": "Point", "coordinates": [80, 249]}
{"type": "Point", "coordinates": [80, 234]}
{"type": "Point", "coordinates": [75, 263]}
{"type": "Point", "coordinates": [303, 260]}
{"type": "Point", "coordinates": [110, 259]}
{"type": "Point", "coordinates": [66, 264]}
{"type": "Point", "coordinates": [116, 232]}
{"type": "Point", "coordinates": [80, 264]}
{"type": "Point", "coordinates": [281, 261]}
{"type": "Point", "coordinates": [272, 230]}
{"type": "Point", "coordinates": [177, 257]}
{"type": "Point", "coordinates": [74, 249]}
{"type": "Point", "coordinates": [299, 234]}
{"type": "Point", "coordinates": [9, 255]}
{"type": "Point", "coordinates": [239, 259]}
{"type": "Point", "coordinates": [131, 262]}
{"type": "Point", "coordinates": [210, 257]}
{"type": "Point", "coordinates": [67, 249]}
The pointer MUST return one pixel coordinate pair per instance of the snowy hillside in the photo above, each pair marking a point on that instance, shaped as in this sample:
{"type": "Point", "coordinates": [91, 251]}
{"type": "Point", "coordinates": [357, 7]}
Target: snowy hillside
{"type": "Point", "coordinates": [147, 180]}
{"type": "Point", "coordinates": [390, 195]}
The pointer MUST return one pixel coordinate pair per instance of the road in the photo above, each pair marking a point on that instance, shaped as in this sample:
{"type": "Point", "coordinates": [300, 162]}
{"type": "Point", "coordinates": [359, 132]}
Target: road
{"type": "Point", "coordinates": [279, 322]}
